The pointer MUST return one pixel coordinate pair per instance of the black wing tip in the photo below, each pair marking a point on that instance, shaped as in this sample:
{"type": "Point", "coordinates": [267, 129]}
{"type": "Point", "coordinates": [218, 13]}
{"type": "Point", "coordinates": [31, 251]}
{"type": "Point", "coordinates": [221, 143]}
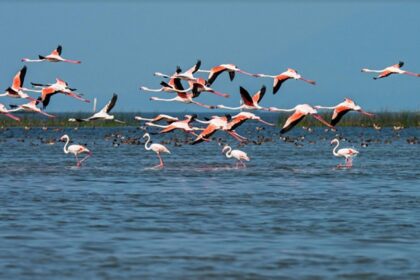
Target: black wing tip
{"type": "Point", "coordinates": [401, 63]}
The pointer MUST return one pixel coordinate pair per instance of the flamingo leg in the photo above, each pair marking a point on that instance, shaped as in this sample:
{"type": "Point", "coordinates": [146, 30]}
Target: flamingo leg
{"type": "Point", "coordinates": [85, 158]}
{"type": "Point", "coordinates": [72, 61]}
{"type": "Point", "coordinates": [160, 161]}
{"type": "Point", "coordinates": [225, 95]}
{"type": "Point", "coordinates": [202, 105]}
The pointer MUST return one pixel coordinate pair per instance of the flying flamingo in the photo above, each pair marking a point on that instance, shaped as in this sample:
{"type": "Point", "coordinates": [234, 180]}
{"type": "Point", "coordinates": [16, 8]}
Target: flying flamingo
{"type": "Point", "coordinates": [182, 97]}
{"type": "Point", "coordinates": [102, 114]}
{"type": "Point", "coordinates": [200, 85]}
{"type": "Point", "coordinates": [394, 69]}
{"type": "Point", "coordinates": [54, 56]}
{"type": "Point", "coordinates": [241, 118]}
{"type": "Point", "coordinates": [30, 107]}
{"type": "Point", "coordinates": [4, 111]}
{"type": "Point", "coordinates": [281, 78]}
{"type": "Point", "coordinates": [182, 125]}
{"type": "Point", "coordinates": [187, 75]}
{"type": "Point", "coordinates": [347, 153]}
{"type": "Point", "coordinates": [15, 91]}
{"type": "Point", "coordinates": [214, 124]}
{"type": "Point", "coordinates": [343, 108]}
{"type": "Point", "coordinates": [165, 88]}
{"type": "Point", "coordinates": [48, 90]}
{"type": "Point", "coordinates": [300, 111]}
{"type": "Point", "coordinates": [157, 148]}
{"type": "Point", "coordinates": [75, 150]}
{"type": "Point", "coordinates": [217, 70]}
{"type": "Point", "coordinates": [237, 154]}
{"type": "Point", "coordinates": [167, 118]}
{"type": "Point", "coordinates": [249, 103]}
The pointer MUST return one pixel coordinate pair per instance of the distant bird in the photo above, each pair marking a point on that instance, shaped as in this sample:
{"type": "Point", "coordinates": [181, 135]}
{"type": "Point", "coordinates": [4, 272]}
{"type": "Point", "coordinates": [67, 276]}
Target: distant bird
{"type": "Point", "coordinates": [217, 70]}
{"type": "Point", "coordinates": [102, 114]}
{"type": "Point", "coordinates": [15, 91]}
{"type": "Point", "coordinates": [6, 112]}
{"type": "Point", "coordinates": [281, 78]}
{"type": "Point", "coordinates": [48, 90]}
{"type": "Point", "coordinates": [237, 154]}
{"type": "Point", "coordinates": [54, 56]}
{"type": "Point", "coordinates": [167, 118]}
{"type": "Point", "coordinates": [393, 69]}
{"type": "Point", "coordinates": [30, 107]}
{"type": "Point", "coordinates": [157, 148]}
{"type": "Point", "coordinates": [187, 75]}
{"type": "Point", "coordinates": [249, 103]}
{"type": "Point", "coordinates": [347, 153]}
{"type": "Point", "coordinates": [182, 125]}
{"type": "Point", "coordinates": [343, 108]}
{"type": "Point", "coordinates": [376, 126]}
{"type": "Point", "coordinates": [300, 111]}
{"type": "Point", "coordinates": [75, 150]}
{"type": "Point", "coordinates": [200, 85]}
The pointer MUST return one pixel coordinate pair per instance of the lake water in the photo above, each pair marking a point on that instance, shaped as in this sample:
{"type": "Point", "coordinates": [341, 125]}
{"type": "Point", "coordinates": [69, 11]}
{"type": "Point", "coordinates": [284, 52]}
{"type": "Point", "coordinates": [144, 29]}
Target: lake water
{"type": "Point", "coordinates": [290, 214]}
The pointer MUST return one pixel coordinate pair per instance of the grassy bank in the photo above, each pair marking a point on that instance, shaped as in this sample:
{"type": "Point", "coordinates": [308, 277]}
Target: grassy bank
{"type": "Point", "coordinates": [384, 119]}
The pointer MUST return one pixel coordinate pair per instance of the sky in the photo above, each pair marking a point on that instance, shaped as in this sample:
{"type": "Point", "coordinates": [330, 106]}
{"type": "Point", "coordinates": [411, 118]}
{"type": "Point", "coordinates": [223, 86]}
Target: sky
{"type": "Point", "coordinates": [122, 43]}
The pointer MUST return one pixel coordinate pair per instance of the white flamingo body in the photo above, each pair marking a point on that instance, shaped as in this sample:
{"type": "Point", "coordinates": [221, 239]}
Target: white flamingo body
{"type": "Point", "coordinates": [239, 155]}
{"type": "Point", "coordinates": [347, 153]}
{"type": "Point", "coordinates": [75, 149]}
{"type": "Point", "coordinates": [157, 148]}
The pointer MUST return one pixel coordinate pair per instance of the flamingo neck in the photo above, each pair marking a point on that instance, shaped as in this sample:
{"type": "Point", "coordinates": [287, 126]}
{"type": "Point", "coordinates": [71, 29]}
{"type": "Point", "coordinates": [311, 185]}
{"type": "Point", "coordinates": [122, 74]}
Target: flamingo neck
{"type": "Point", "coordinates": [65, 146]}
{"type": "Point", "coordinates": [147, 142]}
{"type": "Point", "coordinates": [335, 149]}
{"type": "Point", "coordinates": [229, 152]}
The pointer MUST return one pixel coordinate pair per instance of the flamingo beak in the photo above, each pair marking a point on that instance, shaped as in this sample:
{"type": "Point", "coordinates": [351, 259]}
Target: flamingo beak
{"type": "Point", "coordinates": [318, 117]}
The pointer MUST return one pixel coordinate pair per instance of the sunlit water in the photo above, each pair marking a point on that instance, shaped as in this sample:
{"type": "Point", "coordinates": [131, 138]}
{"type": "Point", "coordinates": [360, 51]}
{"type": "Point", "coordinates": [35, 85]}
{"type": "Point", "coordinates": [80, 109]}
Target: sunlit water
{"type": "Point", "coordinates": [289, 214]}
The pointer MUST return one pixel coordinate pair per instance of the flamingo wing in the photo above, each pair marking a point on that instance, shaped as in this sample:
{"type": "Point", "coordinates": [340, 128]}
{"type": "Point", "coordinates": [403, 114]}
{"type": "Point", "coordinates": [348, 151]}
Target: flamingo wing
{"type": "Point", "coordinates": [246, 97]}
{"type": "Point", "coordinates": [235, 122]}
{"type": "Point", "coordinates": [383, 75]}
{"type": "Point", "coordinates": [214, 73]}
{"type": "Point", "coordinates": [292, 121]}
{"type": "Point", "coordinates": [206, 133]}
{"type": "Point", "coordinates": [278, 81]}
{"type": "Point", "coordinates": [19, 78]}
{"type": "Point", "coordinates": [338, 113]}
{"type": "Point", "coordinates": [195, 68]}
{"type": "Point", "coordinates": [57, 51]}
{"type": "Point", "coordinates": [168, 129]}
{"type": "Point", "coordinates": [259, 95]}
{"type": "Point", "coordinates": [108, 107]}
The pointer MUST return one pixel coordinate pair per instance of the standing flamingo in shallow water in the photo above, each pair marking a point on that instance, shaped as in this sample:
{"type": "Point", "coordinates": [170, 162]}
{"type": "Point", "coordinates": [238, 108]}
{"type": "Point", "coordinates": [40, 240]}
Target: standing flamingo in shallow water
{"type": "Point", "coordinates": [157, 148]}
{"type": "Point", "coordinates": [393, 69]}
{"type": "Point", "coordinates": [75, 150]}
{"type": "Point", "coordinates": [347, 153]}
{"type": "Point", "coordinates": [237, 154]}
{"type": "Point", "coordinates": [281, 78]}
{"type": "Point", "coordinates": [54, 56]}
{"type": "Point", "coordinates": [343, 108]}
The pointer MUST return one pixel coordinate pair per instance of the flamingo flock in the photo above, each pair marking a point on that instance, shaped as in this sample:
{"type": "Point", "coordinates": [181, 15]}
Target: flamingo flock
{"type": "Point", "coordinates": [173, 84]}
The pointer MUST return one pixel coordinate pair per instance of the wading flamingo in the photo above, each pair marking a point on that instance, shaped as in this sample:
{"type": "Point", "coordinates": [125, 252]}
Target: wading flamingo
{"type": "Point", "coordinates": [6, 112]}
{"type": "Point", "coordinates": [237, 154]}
{"type": "Point", "coordinates": [157, 148]}
{"type": "Point", "coordinates": [343, 108]}
{"type": "Point", "coordinates": [219, 69]}
{"type": "Point", "coordinates": [54, 56]}
{"type": "Point", "coordinates": [15, 91]}
{"type": "Point", "coordinates": [30, 107]}
{"type": "Point", "coordinates": [300, 111]}
{"type": "Point", "coordinates": [102, 114]}
{"type": "Point", "coordinates": [248, 102]}
{"type": "Point", "coordinates": [393, 69]}
{"type": "Point", "coordinates": [347, 153]}
{"type": "Point", "coordinates": [75, 150]}
{"type": "Point", "coordinates": [281, 78]}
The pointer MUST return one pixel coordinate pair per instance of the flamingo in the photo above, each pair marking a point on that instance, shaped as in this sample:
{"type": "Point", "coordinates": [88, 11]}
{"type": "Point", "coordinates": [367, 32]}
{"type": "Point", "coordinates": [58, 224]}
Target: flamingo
{"type": "Point", "coordinates": [6, 112]}
{"type": "Point", "coordinates": [15, 91]}
{"type": "Point", "coordinates": [217, 70]}
{"type": "Point", "coordinates": [200, 85]}
{"type": "Point", "coordinates": [60, 86]}
{"type": "Point", "coordinates": [181, 96]}
{"type": "Point", "coordinates": [167, 118]}
{"type": "Point", "coordinates": [347, 153]}
{"type": "Point", "coordinates": [249, 103]}
{"type": "Point", "coordinates": [165, 88]}
{"type": "Point", "coordinates": [31, 107]}
{"type": "Point", "coordinates": [343, 108]}
{"type": "Point", "coordinates": [103, 114]}
{"type": "Point", "coordinates": [75, 150]}
{"type": "Point", "coordinates": [54, 56]}
{"type": "Point", "coordinates": [393, 69]}
{"type": "Point", "coordinates": [300, 111]}
{"type": "Point", "coordinates": [182, 125]}
{"type": "Point", "coordinates": [157, 148]}
{"type": "Point", "coordinates": [214, 124]}
{"type": "Point", "coordinates": [281, 78]}
{"type": "Point", "coordinates": [187, 75]}
{"type": "Point", "coordinates": [237, 154]}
